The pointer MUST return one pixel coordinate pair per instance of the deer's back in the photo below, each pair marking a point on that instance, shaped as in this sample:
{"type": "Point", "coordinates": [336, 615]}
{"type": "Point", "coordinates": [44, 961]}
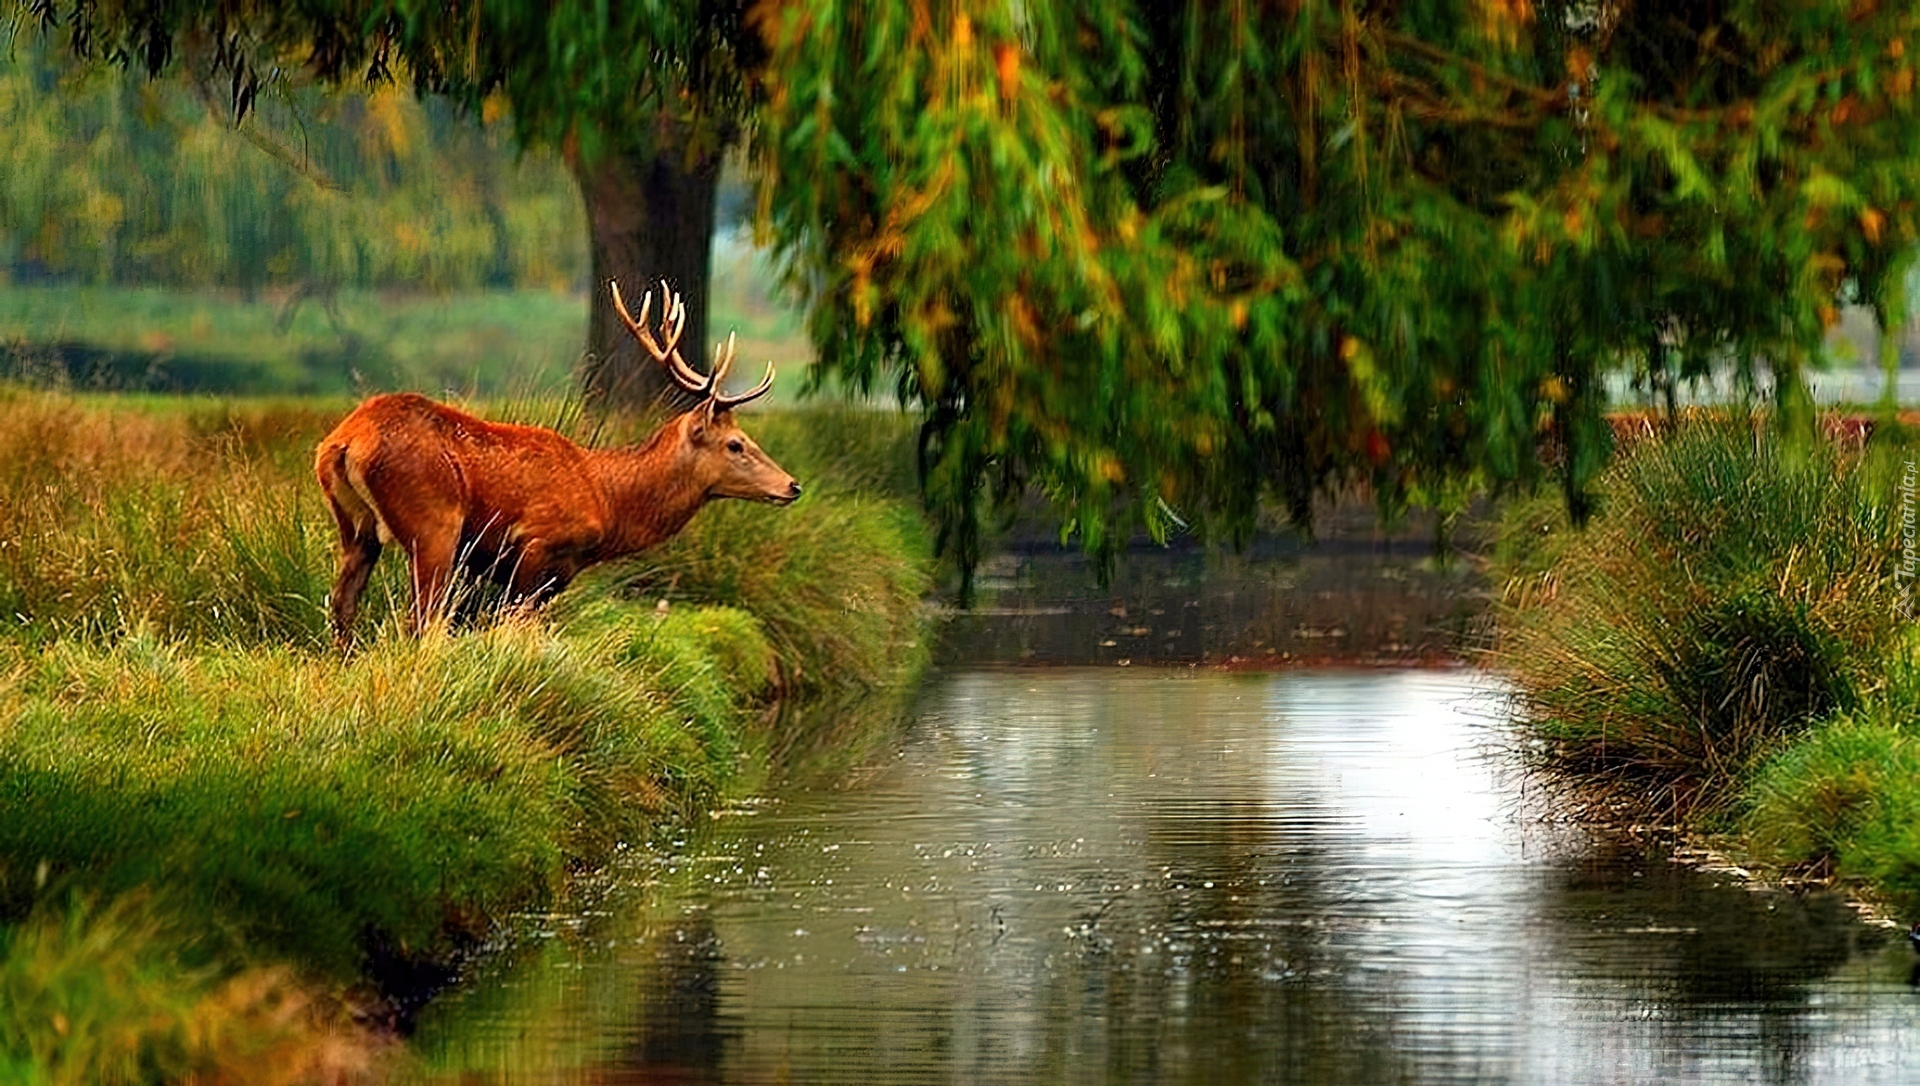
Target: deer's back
{"type": "Point", "coordinates": [414, 452]}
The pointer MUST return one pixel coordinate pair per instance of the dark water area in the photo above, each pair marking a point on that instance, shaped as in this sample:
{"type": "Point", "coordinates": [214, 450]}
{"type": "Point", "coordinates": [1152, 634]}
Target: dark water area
{"type": "Point", "coordinates": [1355, 592]}
{"type": "Point", "coordinates": [1147, 875]}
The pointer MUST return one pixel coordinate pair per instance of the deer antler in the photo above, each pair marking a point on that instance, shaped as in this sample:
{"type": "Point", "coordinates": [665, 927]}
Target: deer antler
{"type": "Point", "coordinates": [673, 324]}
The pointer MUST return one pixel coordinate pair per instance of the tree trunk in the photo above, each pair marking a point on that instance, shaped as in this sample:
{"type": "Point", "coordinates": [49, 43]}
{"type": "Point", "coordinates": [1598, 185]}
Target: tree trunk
{"type": "Point", "coordinates": [651, 218]}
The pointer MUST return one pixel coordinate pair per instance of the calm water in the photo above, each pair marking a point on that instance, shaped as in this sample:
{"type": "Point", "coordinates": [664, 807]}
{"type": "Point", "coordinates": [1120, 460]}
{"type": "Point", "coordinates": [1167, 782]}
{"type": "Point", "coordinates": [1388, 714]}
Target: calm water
{"type": "Point", "coordinates": [1127, 875]}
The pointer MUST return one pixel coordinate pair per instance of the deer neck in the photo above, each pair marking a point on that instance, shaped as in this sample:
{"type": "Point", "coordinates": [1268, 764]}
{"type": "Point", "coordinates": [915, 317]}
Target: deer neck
{"type": "Point", "coordinates": [649, 490]}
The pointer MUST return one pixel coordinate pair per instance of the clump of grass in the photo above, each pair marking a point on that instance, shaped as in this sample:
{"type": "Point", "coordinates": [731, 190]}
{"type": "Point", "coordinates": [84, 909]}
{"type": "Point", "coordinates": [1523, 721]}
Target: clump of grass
{"type": "Point", "coordinates": [847, 449]}
{"type": "Point", "coordinates": [1734, 590]}
{"type": "Point", "coordinates": [836, 581]}
{"type": "Point", "coordinates": [1844, 800]}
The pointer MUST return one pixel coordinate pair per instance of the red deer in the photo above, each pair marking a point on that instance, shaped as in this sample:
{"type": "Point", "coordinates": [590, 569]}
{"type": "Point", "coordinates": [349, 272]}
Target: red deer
{"type": "Point", "coordinates": [521, 505]}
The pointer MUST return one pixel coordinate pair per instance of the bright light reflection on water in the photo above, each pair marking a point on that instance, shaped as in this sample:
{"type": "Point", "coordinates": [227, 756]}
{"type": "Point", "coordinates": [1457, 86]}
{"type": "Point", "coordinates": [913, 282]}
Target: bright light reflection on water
{"type": "Point", "coordinates": [1110, 875]}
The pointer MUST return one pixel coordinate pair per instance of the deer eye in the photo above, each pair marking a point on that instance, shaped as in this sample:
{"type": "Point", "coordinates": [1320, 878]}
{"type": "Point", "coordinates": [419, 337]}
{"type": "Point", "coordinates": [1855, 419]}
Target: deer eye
{"type": "Point", "coordinates": [735, 446]}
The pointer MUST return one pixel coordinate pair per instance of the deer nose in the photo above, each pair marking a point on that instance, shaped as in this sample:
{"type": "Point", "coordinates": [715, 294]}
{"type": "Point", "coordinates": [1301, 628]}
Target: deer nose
{"type": "Point", "coordinates": [793, 489]}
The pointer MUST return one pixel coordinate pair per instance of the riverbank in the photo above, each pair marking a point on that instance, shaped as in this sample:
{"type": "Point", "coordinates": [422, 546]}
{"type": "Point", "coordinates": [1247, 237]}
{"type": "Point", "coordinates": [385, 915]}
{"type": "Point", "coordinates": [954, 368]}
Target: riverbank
{"type": "Point", "coordinates": [1729, 649]}
{"type": "Point", "coordinates": [226, 853]}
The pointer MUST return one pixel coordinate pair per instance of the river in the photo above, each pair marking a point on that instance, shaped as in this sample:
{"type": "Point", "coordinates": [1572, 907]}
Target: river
{"type": "Point", "coordinates": [1145, 875]}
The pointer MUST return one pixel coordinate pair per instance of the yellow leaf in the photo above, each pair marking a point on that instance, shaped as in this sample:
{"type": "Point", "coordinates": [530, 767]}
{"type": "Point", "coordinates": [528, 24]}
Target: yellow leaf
{"type": "Point", "coordinates": [1006, 64]}
{"type": "Point", "coordinates": [1870, 223]}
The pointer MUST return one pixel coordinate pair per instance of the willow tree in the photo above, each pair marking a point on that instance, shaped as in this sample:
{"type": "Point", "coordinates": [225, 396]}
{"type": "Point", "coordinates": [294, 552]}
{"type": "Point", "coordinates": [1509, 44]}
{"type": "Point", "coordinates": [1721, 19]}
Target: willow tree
{"type": "Point", "coordinates": [1166, 261]}
{"type": "Point", "coordinates": [643, 99]}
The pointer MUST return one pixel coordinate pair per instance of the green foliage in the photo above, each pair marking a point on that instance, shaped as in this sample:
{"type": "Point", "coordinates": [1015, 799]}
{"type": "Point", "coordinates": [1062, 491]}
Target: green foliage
{"type": "Point", "coordinates": [848, 449]}
{"type": "Point", "coordinates": [584, 74]}
{"type": "Point", "coordinates": [1734, 590]}
{"type": "Point", "coordinates": [1168, 261]}
{"type": "Point", "coordinates": [835, 580]}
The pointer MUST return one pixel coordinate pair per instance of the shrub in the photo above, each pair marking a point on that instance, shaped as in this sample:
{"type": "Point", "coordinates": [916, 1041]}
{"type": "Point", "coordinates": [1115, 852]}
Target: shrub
{"type": "Point", "coordinates": [835, 580]}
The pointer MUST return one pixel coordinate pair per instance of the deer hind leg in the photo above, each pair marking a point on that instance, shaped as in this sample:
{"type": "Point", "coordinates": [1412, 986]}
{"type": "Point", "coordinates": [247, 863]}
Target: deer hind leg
{"type": "Point", "coordinates": [359, 546]}
{"type": "Point", "coordinates": [358, 553]}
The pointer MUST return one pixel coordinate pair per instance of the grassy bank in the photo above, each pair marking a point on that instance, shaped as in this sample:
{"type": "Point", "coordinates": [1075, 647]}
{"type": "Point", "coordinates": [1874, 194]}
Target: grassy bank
{"type": "Point", "coordinates": [206, 819]}
{"type": "Point", "coordinates": [1725, 647]}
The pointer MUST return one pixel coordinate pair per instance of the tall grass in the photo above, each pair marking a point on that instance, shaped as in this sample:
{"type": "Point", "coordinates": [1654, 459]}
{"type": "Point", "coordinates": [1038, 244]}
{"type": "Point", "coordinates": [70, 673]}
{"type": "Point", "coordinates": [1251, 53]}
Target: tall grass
{"type": "Point", "coordinates": [112, 521]}
{"type": "Point", "coordinates": [1734, 590]}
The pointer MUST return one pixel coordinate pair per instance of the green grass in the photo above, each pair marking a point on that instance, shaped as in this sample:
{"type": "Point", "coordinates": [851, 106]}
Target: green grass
{"type": "Point", "coordinates": [174, 730]}
{"type": "Point", "coordinates": [419, 792]}
{"type": "Point", "coordinates": [103, 994]}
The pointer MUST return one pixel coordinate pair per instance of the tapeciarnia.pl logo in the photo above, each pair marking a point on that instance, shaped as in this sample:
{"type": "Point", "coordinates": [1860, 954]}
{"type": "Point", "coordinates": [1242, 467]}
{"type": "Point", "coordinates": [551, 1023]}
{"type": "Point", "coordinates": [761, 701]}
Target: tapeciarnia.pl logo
{"type": "Point", "coordinates": [1903, 574]}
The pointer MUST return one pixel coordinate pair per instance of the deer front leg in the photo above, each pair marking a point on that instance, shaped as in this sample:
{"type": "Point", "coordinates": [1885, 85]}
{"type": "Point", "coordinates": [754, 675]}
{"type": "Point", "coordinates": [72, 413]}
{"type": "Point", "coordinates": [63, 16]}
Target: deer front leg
{"type": "Point", "coordinates": [431, 560]}
{"type": "Point", "coordinates": [538, 576]}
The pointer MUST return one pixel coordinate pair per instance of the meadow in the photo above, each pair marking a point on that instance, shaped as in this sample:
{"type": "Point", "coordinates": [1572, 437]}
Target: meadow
{"type": "Point", "coordinates": [228, 854]}
{"type": "Point", "coordinates": [1729, 649]}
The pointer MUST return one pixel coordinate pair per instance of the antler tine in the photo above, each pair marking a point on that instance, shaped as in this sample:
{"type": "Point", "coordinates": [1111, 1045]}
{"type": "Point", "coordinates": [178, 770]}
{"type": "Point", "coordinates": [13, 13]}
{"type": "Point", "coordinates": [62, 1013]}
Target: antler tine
{"type": "Point", "coordinates": [674, 318]}
{"type": "Point", "coordinates": [722, 362]}
{"type": "Point", "coordinates": [638, 328]}
{"type": "Point", "coordinates": [728, 403]}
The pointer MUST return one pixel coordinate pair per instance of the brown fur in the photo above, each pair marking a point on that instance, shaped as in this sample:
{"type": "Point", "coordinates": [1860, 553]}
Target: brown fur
{"type": "Point", "coordinates": [519, 505]}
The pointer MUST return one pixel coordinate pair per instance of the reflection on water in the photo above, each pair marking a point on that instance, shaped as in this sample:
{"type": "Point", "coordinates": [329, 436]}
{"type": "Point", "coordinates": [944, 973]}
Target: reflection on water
{"type": "Point", "coordinates": [1123, 876]}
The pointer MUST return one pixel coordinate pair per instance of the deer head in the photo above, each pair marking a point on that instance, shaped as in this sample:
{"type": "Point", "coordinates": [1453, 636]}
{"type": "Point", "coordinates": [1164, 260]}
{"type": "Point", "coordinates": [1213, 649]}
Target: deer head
{"type": "Point", "coordinates": [723, 461]}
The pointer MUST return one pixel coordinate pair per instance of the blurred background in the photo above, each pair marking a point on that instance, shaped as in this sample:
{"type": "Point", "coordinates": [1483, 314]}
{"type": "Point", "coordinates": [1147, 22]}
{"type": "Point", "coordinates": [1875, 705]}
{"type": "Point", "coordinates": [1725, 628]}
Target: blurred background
{"type": "Point", "coordinates": [339, 241]}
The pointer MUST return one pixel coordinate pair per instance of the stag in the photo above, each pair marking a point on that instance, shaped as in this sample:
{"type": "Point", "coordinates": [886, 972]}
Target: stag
{"type": "Point", "coordinates": [520, 505]}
